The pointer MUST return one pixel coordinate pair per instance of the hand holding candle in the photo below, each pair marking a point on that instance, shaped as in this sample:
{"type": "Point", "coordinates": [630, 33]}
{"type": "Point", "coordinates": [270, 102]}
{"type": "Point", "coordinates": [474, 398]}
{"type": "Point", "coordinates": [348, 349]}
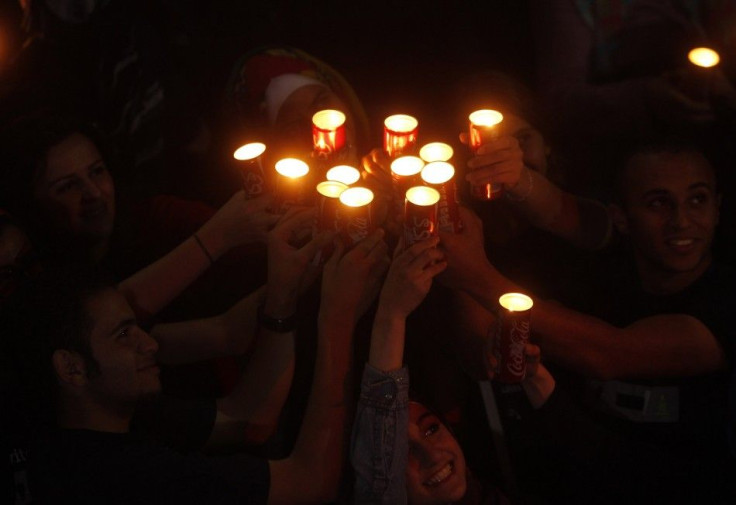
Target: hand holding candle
{"type": "Point", "coordinates": [440, 175]}
{"type": "Point", "coordinates": [355, 215]}
{"type": "Point", "coordinates": [291, 182]}
{"type": "Point", "coordinates": [328, 132]}
{"type": "Point", "coordinates": [484, 127]}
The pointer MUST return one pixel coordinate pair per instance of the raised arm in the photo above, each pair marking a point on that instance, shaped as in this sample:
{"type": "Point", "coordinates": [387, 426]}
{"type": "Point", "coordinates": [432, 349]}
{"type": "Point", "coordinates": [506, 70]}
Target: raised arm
{"type": "Point", "coordinates": [380, 445]}
{"type": "Point", "coordinates": [659, 346]}
{"type": "Point", "coordinates": [312, 472]}
{"type": "Point", "coordinates": [239, 221]}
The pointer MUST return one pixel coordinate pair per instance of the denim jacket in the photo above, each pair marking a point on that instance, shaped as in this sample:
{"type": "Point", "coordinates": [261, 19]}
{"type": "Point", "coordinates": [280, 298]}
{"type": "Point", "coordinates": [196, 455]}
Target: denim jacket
{"type": "Point", "coordinates": [380, 445]}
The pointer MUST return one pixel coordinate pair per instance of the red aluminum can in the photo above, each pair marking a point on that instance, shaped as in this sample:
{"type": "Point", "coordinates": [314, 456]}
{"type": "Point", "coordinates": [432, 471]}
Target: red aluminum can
{"type": "Point", "coordinates": [400, 133]}
{"type": "Point", "coordinates": [356, 222]}
{"type": "Point", "coordinates": [328, 132]}
{"type": "Point", "coordinates": [292, 185]}
{"type": "Point", "coordinates": [484, 126]}
{"type": "Point", "coordinates": [328, 205]}
{"type": "Point", "coordinates": [250, 166]}
{"type": "Point", "coordinates": [440, 175]}
{"type": "Point", "coordinates": [420, 214]}
{"type": "Point", "coordinates": [512, 336]}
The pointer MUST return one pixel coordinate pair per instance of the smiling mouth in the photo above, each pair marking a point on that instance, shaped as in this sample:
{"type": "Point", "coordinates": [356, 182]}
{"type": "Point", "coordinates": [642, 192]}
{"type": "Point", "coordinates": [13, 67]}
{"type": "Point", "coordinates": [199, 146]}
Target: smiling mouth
{"type": "Point", "coordinates": [94, 212]}
{"type": "Point", "coordinates": [441, 475]}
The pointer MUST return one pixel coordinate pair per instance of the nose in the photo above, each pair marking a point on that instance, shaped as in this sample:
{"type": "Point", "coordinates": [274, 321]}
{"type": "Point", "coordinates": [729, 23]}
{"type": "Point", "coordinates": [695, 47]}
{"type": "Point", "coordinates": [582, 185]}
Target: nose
{"type": "Point", "coordinates": [680, 218]}
{"type": "Point", "coordinates": [146, 343]}
{"type": "Point", "coordinates": [423, 453]}
{"type": "Point", "coordinates": [91, 191]}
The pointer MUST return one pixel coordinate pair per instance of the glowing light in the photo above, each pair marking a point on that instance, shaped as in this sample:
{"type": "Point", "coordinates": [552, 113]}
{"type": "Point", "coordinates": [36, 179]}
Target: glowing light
{"type": "Point", "coordinates": [344, 173]}
{"type": "Point", "coordinates": [437, 172]}
{"type": "Point", "coordinates": [401, 123]}
{"type": "Point", "coordinates": [356, 197]}
{"type": "Point", "coordinates": [292, 168]}
{"type": "Point", "coordinates": [328, 119]}
{"type": "Point", "coordinates": [423, 196]}
{"type": "Point", "coordinates": [249, 151]}
{"type": "Point", "coordinates": [331, 189]}
{"type": "Point", "coordinates": [515, 302]}
{"type": "Point", "coordinates": [435, 151]}
{"type": "Point", "coordinates": [407, 166]}
{"type": "Point", "coordinates": [485, 117]}
{"type": "Point", "coordinates": [704, 57]}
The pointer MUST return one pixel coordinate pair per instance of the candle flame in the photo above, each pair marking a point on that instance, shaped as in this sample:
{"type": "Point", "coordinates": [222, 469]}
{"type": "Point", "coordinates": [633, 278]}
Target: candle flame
{"type": "Point", "coordinates": [515, 302]}
{"type": "Point", "coordinates": [485, 117]}
{"type": "Point", "coordinates": [437, 172]}
{"type": "Point", "coordinates": [344, 173]}
{"type": "Point", "coordinates": [406, 166]}
{"type": "Point", "coordinates": [356, 197]}
{"type": "Point", "coordinates": [292, 167]}
{"type": "Point", "coordinates": [331, 189]}
{"type": "Point", "coordinates": [423, 195]}
{"type": "Point", "coordinates": [435, 151]}
{"type": "Point", "coordinates": [704, 57]}
{"type": "Point", "coordinates": [401, 123]}
{"type": "Point", "coordinates": [249, 151]}
{"type": "Point", "coordinates": [328, 119]}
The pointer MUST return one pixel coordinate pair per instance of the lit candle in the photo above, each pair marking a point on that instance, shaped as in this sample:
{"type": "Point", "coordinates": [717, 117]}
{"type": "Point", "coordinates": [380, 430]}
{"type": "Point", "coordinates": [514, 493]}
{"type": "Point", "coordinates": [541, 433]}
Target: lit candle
{"type": "Point", "coordinates": [436, 151]}
{"type": "Point", "coordinates": [400, 135]}
{"type": "Point", "coordinates": [484, 125]}
{"type": "Point", "coordinates": [328, 204]}
{"type": "Point", "coordinates": [420, 214]}
{"type": "Point", "coordinates": [355, 215]}
{"type": "Point", "coordinates": [703, 57]}
{"type": "Point", "coordinates": [328, 131]}
{"type": "Point", "coordinates": [291, 181]}
{"type": "Point", "coordinates": [405, 172]}
{"type": "Point", "coordinates": [344, 173]}
{"type": "Point", "coordinates": [251, 168]}
{"type": "Point", "coordinates": [512, 337]}
{"type": "Point", "coordinates": [440, 175]}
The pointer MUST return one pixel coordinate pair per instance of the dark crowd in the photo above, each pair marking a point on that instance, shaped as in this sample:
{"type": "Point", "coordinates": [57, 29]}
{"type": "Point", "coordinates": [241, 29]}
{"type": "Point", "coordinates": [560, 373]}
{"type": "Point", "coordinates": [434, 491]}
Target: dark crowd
{"type": "Point", "coordinates": [181, 321]}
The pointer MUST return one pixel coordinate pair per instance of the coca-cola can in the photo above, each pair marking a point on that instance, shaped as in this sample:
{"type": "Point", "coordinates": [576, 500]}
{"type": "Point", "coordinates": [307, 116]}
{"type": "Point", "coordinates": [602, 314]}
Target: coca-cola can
{"type": "Point", "coordinates": [328, 132]}
{"type": "Point", "coordinates": [400, 133]}
{"type": "Point", "coordinates": [484, 127]}
{"type": "Point", "coordinates": [512, 336]}
{"type": "Point", "coordinates": [292, 184]}
{"type": "Point", "coordinates": [356, 222]}
{"type": "Point", "coordinates": [406, 173]}
{"type": "Point", "coordinates": [420, 214]}
{"type": "Point", "coordinates": [441, 176]}
{"type": "Point", "coordinates": [250, 165]}
{"type": "Point", "coordinates": [328, 205]}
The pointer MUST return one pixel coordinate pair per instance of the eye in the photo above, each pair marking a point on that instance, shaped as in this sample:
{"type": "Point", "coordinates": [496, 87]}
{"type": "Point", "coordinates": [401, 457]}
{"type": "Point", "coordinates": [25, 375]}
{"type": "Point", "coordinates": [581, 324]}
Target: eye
{"type": "Point", "coordinates": [124, 334]}
{"type": "Point", "coordinates": [98, 170]}
{"type": "Point", "coordinates": [699, 199]}
{"type": "Point", "coordinates": [658, 203]}
{"type": "Point", "coordinates": [66, 186]}
{"type": "Point", "coordinates": [432, 429]}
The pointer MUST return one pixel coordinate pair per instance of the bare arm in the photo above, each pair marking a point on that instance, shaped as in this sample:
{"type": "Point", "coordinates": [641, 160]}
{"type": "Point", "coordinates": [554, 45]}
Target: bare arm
{"type": "Point", "coordinates": [312, 472]}
{"type": "Point", "coordinates": [239, 221]}
{"type": "Point", "coordinates": [659, 346]}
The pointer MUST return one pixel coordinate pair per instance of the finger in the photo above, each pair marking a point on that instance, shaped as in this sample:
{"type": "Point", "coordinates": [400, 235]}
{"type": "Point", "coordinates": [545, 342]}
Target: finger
{"type": "Point", "coordinates": [378, 252]}
{"type": "Point", "coordinates": [418, 249]}
{"type": "Point", "coordinates": [318, 242]}
{"type": "Point", "coordinates": [425, 258]}
{"type": "Point", "coordinates": [491, 364]}
{"type": "Point", "coordinates": [337, 255]}
{"type": "Point", "coordinates": [260, 203]}
{"type": "Point", "coordinates": [505, 142]}
{"type": "Point", "coordinates": [295, 219]}
{"type": "Point", "coordinates": [433, 270]}
{"type": "Point", "coordinates": [493, 158]}
{"type": "Point", "coordinates": [463, 138]}
{"type": "Point", "coordinates": [366, 245]}
{"type": "Point", "coordinates": [400, 247]}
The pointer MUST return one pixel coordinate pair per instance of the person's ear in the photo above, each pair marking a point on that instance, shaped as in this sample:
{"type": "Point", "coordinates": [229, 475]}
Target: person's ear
{"type": "Point", "coordinates": [619, 219]}
{"type": "Point", "coordinates": [69, 367]}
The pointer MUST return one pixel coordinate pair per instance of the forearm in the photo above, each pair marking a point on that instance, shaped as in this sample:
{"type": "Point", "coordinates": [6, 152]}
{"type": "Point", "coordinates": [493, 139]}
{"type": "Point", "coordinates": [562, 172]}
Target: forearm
{"type": "Point", "coordinates": [387, 340]}
{"type": "Point", "coordinates": [226, 335]}
{"type": "Point", "coordinates": [584, 223]}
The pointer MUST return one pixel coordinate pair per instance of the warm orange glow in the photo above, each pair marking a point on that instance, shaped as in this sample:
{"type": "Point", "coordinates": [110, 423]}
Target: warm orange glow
{"type": "Point", "coordinates": [356, 197]}
{"type": "Point", "coordinates": [401, 123]}
{"type": "Point", "coordinates": [331, 189]}
{"type": "Point", "coordinates": [344, 173]}
{"type": "Point", "coordinates": [328, 119]}
{"type": "Point", "coordinates": [437, 172]}
{"type": "Point", "coordinates": [406, 166]}
{"type": "Point", "coordinates": [423, 195]}
{"type": "Point", "coordinates": [485, 117]}
{"type": "Point", "coordinates": [249, 151]}
{"type": "Point", "coordinates": [704, 57]}
{"type": "Point", "coordinates": [515, 302]}
{"type": "Point", "coordinates": [292, 167]}
{"type": "Point", "coordinates": [435, 151]}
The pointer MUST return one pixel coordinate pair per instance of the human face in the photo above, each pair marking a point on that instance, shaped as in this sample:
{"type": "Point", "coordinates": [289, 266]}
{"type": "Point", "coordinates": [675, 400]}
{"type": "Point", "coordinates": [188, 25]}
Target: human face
{"type": "Point", "coordinates": [530, 140]}
{"type": "Point", "coordinates": [436, 469]}
{"type": "Point", "coordinates": [671, 212]}
{"type": "Point", "coordinates": [75, 192]}
{"type": "Point", "coordinates": [124, 353]}
{"type": "Point", "coordinates": [293, 125]}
